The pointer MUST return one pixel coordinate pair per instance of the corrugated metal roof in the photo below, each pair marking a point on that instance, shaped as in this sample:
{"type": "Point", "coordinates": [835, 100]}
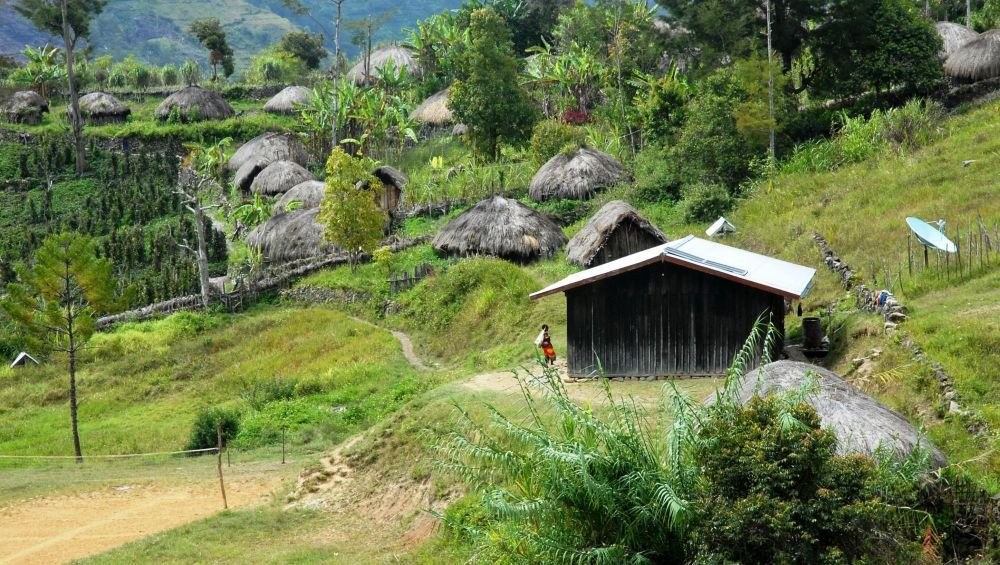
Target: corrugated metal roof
{"type": "Point", "coordinates": [744, 267]}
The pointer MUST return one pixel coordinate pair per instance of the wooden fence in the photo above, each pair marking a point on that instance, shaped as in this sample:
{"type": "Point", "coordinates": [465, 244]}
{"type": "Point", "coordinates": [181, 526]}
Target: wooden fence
{"type": "Point", "coordinates": [405, 280]}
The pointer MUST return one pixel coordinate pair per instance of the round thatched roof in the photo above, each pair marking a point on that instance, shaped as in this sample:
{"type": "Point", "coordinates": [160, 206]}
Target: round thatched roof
{"type": "Point", "coordinates": [391, 176]}
{"type": "Point", "coordinates": [270, 147]}
{"type": "Point", "coordinates": [195, 104]}
{"type": "Point", "coordinates": [576, 176]}
{"type": "Point", "coordinates": [978, 59]}
{"type": "Point", "coordinates": [279, 177]}
{"type": "Point", "coordinates": [24, 107]}
{"type": "Point", "coordinates": [503, 228]}
{"type": "Point", "coordinates": [592, 236]}
{"type": "Point", "coordinates": [247, 173]}
{"type": "Point", "coordinates": [289, 100]}
{"type": "Point", "coordinates": [290, 236]}
{"type": "Point", "coordinates": [401, 57]}
{"type": "Point", "coordinates": [433, 111]}
{"type": "Point", "coordinates": [860, 422]}
{"type": "Point", "coordinates": [101, 105]}
{"type": "Point", "coordinates": [309, 193]}
{"type": "Point", "coordinates": [953, 37]}
{"type": "Point", "coordinates": [460, 129]}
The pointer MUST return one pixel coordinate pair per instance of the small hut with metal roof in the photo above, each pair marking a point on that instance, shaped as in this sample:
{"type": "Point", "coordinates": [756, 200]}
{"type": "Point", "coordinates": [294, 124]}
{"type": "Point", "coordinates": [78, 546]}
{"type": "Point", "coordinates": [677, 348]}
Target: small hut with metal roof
{"type": "Point", "coordinates": [683, 308]}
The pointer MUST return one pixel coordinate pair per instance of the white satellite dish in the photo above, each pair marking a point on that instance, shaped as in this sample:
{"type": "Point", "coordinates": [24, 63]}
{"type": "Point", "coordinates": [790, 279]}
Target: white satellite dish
{"type": "Point", "coordinates": [929, 236]}
{"type": "Point", "coordinates": [720, 227]}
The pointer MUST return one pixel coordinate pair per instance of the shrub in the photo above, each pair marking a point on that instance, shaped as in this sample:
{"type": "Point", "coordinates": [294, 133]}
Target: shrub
{"type": "Point", "coordinates": [262, 391]}
{"type": "Point", "coordinates": [550, 137]}
{"type": "Point", "coordinates": [168, 75]}
{"type": "Point", "coordinates": [190, 73]}
{"type": "Point", "coordinates": [204, 432]}
{"type": "Point", "coordinates": [657, 176]}
{"type": "Point", "coordinates": [704, 202]}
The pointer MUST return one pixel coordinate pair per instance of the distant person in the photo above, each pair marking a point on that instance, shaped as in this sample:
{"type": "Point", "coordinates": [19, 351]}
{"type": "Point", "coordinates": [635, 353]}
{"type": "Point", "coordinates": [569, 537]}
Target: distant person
{"type": "Point", "coordinates": [544, 340]}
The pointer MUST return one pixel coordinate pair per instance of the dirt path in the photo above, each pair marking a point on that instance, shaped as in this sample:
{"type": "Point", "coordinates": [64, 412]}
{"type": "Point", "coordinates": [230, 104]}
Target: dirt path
{"type": "Point", "coordinates": [59, 529]}
{"type": "Point", "coordinates": [405, 341]}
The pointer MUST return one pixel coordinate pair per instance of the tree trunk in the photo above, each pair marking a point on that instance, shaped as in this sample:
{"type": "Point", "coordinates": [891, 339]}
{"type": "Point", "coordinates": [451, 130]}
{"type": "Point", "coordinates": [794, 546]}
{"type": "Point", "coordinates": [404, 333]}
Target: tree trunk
{"type": "Point", "coordinates": [74, 99]}
{"type": "Point", "coordinates": [336, 74]}
{"type": "Point", "coordinates": [199, 226]}
{"type": "Point", "coordinates": [71, 354]}
{"type": "Point", "coordinates": [968, 14]}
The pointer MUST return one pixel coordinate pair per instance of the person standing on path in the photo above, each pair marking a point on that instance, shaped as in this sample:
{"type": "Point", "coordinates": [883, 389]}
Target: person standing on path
{"type": "Point", "coordinates": [544, 340]}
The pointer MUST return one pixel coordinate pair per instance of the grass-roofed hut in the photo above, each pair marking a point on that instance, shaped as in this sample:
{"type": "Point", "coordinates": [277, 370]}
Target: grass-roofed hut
{"type": "Point", "coordinates": [616, 230]}
{"type": "Point", "coordinates": [270, 147]}
{"type": "Point", "coordinates": [289, 100]}
{"type": "Point", "coordinates": [25, 107]}
{"type": "Point", "coordinates": [503, 228]}
{"type": "Point", "coordinates": [861, 423]}
{"type": "Point", "coordinates": [978, 59]}
{"type": "Point", "coordinates": [683, 308]}
{"type": "Point", "coordinates": [290, 236]}
{"type": "Point", "coordinates": [953, 37]}
{"type": "Point", "coordinates": [102, 108]}
{"type": "Point", "coordinates": [308, 194]}
{"type": "Point", "coordinates": [433, 111]}
{"type": "Point", "coordinates": [393, 184]}
{"type": "Point", "coordinates": [400, 57]}
{"type": "Point", "coordinates": [195, 104]}
{"type": "Point", "coordinates": [279, 177]}
{"type": "Point", "coordinates": [576, 176]}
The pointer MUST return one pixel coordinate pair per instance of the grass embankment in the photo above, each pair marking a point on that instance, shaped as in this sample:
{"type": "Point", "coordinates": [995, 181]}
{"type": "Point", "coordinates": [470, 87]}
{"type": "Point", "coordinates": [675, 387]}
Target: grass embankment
{"type": "Point", "coordinates": [860, 209]}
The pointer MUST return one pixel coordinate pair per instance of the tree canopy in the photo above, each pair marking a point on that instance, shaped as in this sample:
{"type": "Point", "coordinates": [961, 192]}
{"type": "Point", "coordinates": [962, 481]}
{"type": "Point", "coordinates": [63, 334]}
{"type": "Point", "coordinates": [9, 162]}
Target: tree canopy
{"type": "Point", "coordinates": [209, 32]}
{"type": "Point", "coordinates": [306, 47]}
{"type": "Point", "coordinates": [46, 15]}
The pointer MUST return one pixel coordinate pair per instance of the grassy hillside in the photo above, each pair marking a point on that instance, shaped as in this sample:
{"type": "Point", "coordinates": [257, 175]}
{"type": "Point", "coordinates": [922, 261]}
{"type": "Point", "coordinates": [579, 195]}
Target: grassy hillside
{"type": "Point", "coordinates": [156, 31]}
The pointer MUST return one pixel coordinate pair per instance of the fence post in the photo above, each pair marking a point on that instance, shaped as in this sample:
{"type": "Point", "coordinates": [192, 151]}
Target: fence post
{"type": "Point", "coordinates": [222, 484]}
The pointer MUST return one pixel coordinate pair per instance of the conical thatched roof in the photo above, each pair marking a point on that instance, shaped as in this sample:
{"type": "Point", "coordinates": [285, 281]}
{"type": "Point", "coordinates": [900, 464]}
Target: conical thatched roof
{"type": "Point", "coordinates": [576, 176]}
{"type": "Point", "coordinates": [433, 111]}
{"type": "Point", "coordinates": [309, 193]}
{"type": "Point", "coordinates": [24, 107]}
{"type": "Point", "coordinates": [978, 59]}
{"type": "Point", "coordinates": [279, 177]}
{"type": "Point", "coordinates": [591, 238]}
{"type": "Point", "coordinates": [503, 228]}
{"type": "Point", "coordinates": [290, 236]}
{"type": "Point", "coordinates": [401, 57]}
{"type": "Point", "coordinates": [101, 107]}
{"type": "Point", "coordinates": [270, 147]}
{"type": "Point", "coordinates": [289, 100]}
{"type": "Point", "coordinates": [195, 104]}
{"type": "Point", "coordinates": [860, 422]}
{"type": "Point", "coordinates": [953, 37]}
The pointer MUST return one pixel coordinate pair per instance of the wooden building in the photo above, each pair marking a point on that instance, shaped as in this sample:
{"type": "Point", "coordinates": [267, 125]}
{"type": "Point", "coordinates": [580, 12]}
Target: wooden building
{"type": "Point", "coordinates": [679, 309]}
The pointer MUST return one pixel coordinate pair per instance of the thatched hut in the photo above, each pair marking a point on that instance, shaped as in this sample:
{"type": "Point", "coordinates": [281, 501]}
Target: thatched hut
{"type": "Point", "coordinates": [246, 174]}
{"type": "Point", "coordinates": [393, 183]}
{"type": "Point", "coordinates": [616, 230]}
{"type": "Point", "coordinates": [290, 236]}
{"type": "Point", "coordinates": [289, 100]}
{"type": "Point", "coordinates": [309, 194]}
{"type": "Point", "coordinates": [279, 177]}
{"type": "Point", "coordinates": [25, 107]}
{"type": "Point", "coordinates": [400, 56]}
{"type": "Point", "coordinates": [953, 37]}
{"type": "Point", "coordinates": [460, 130]}
{"type": "Point", "coordinates": [503, 228]}
{"type": "Point", "coordinates": [195, 104]}
{"type": "Point", "coordinates": [434, 111]}
{"type": "Point", "coordinates": [102, 108]}
{"type": "Point", "coordinates": [860, 422]}
{"type": "Point", "coordinates": [270, 147]}
{"type": "Point", "coordinates": [978, 59]}
{"type": "Point", "coordinates": [576, 176]}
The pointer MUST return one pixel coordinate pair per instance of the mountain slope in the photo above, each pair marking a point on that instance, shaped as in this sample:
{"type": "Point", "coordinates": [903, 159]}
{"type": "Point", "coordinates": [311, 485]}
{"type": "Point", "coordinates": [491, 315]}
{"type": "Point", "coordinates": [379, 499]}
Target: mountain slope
{"type": "Point", "coordinates": [156, 30]}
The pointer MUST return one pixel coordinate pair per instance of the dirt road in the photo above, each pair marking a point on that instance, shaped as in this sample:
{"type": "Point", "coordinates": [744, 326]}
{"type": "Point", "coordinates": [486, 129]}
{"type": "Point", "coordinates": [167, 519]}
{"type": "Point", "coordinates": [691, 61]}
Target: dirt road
{"type": "Point", "coordinates": [59, 529]}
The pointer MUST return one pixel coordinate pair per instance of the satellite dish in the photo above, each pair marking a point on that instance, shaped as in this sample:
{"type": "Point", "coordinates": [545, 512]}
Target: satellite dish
{"type": "Point", "coordinates": [929, 236]}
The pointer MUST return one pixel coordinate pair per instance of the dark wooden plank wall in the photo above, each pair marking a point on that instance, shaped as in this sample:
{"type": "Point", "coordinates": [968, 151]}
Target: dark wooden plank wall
{"type": "Point", "coordinates": [662, 320]}
{"type": "Point", "coordinates": [628, 238]}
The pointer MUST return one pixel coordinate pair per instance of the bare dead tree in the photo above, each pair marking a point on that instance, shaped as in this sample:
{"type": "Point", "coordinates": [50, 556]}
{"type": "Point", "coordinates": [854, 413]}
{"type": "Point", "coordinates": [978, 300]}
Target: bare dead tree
{"type": "Point", "coordinates": [194, 188]}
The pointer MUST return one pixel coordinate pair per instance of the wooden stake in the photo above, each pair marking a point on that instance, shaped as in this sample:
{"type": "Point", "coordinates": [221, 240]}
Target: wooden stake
{"type": "Point", "coordinates": [282, 445]}
{"type": "Point", "coordinates": [909, 254]}
{"type": "Point", "coordinates": [222, 484]}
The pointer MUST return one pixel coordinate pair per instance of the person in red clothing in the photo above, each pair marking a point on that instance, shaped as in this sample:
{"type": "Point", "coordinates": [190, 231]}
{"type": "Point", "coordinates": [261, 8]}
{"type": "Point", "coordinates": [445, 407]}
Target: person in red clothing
{"type": "Point", "coordinates": [544, 341]}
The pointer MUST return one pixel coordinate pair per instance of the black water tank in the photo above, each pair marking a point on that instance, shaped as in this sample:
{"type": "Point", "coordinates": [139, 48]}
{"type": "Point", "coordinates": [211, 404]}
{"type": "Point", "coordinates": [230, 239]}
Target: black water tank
{"type": "Point", "coordinates": [812, 330]}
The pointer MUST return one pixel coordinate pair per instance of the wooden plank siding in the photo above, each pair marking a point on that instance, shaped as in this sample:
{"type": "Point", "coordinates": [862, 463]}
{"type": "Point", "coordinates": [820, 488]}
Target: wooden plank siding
{"type": "Point", "coordinates": [662, 320]}
{"type": "Point", "coordinates": [626, 239]}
